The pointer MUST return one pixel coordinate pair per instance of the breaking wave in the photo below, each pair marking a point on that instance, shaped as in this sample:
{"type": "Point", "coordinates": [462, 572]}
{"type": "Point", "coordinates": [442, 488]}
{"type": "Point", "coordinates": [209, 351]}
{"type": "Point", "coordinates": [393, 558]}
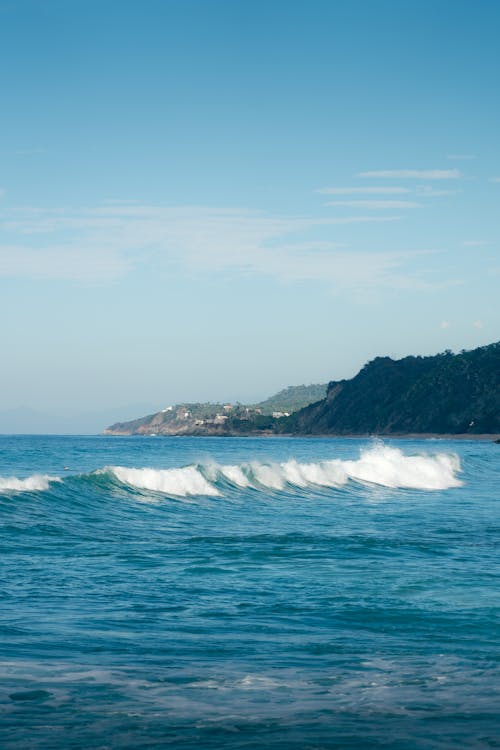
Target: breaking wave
{"type": "Point", "coordinates": [35, 483]}
{"type": "Point", "coordinates": [181, 482]}
{"type": "Point", "coordinates": [380, 465]}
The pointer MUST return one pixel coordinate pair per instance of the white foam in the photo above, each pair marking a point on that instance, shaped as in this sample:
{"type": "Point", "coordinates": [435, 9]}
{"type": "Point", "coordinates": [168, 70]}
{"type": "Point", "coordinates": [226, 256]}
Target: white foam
{"type": "Point", "coordinates": [36, 482]}
{"type": "Point", "coordinates": [181, 482]}
{"type": "Point", "coordinates": [236, 475]}
{"type": "Point", "coordinates": [391, 468]}
{"type": "Point", "coordinates": [381, 465]}
{"type": "Point", "coordinates": [277, 476]}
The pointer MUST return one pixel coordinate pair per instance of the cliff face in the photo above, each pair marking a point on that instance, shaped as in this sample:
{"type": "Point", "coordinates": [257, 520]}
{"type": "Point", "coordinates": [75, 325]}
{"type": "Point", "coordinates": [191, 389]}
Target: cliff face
{"type": "Point", "coordinates": [447, 393]}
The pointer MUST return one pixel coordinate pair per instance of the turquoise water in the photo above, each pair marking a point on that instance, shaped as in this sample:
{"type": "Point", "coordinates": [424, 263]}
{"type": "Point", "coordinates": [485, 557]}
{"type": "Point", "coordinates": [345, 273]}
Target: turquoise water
{"type": "Point", "coordinates": [248, 593]}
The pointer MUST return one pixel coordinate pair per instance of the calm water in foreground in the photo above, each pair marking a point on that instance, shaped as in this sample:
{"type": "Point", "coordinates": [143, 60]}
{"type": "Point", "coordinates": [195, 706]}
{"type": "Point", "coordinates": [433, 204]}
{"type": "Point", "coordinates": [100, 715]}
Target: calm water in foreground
{"type": "Point", "coordinates": [248, 593]}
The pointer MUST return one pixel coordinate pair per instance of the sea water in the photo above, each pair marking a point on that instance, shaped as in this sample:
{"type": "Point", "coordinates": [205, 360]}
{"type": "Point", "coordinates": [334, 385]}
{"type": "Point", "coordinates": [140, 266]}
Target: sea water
{"type": "Point", "coordinates": [248, 593]}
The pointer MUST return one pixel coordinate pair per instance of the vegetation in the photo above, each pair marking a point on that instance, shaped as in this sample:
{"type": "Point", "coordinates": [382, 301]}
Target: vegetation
{"type": "Point", "coordinates": [205, 418]}
{"type": "Point", "coordinates": [446, 393]}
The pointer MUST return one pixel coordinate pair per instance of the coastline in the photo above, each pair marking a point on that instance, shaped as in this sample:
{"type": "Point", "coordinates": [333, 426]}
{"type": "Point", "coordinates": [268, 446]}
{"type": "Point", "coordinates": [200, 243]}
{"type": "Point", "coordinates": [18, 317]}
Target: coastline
{"type": "Point", "coordinates": [493, 437]}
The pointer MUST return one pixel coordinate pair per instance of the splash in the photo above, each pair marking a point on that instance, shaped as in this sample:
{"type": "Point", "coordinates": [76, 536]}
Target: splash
{"type": "Point", "coordinates": [391, 468]}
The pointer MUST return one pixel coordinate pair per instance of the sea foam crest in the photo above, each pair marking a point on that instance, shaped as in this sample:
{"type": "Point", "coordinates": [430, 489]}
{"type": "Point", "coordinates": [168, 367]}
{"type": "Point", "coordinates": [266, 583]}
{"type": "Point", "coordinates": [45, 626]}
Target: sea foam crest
{"type": "Point", "coordinates": [181, 481]}
{"type": "Point", "coordinates": [391, 468]}
{"type": "Point", "coordinates": [34, 483]}
{"type": "Point", "coordinates": [381, 465]}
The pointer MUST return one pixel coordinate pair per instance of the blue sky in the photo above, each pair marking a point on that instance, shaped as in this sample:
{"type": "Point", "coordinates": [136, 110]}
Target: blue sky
{"type": "Point", "coordinates": [213, 200]}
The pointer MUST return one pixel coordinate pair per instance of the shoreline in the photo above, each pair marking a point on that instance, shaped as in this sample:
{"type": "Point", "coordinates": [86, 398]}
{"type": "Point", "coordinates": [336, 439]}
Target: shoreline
{"type": "Point", "coordinates": [493, 437]}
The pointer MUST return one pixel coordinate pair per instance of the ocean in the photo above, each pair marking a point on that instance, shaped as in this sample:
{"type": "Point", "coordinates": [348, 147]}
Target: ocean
{"type": "Point", "coordinates": [249, 593]}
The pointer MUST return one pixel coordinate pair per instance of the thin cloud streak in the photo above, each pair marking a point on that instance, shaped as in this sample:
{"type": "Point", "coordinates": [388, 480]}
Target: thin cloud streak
{"type": "Point", "coordinates": [414, 174]}
{"type": "Point", "coordinates": [363, 190]}
{"type": "Point", "coordinates": [427, 191]}
{"type": "Point", "coordinates": [109, 242]}
{"type": "Point", "coordinates": [374, 204]}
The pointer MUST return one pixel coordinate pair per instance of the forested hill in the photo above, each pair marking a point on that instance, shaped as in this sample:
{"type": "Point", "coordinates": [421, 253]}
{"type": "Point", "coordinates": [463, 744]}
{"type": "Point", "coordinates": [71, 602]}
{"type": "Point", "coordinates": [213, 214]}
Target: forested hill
{"type": "Point", "coordinates": [446, 393]}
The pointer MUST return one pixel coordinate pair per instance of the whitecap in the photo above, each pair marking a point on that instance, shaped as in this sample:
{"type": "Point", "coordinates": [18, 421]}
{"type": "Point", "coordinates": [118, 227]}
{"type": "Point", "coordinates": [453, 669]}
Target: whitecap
{"type": "Point", "coordinates": [181, 482]}
{"type": "Point", "coordinates": [34, 483]}
{"type": "Point", "coordinates": [380, 465]}
{"type": "Point", "coordinates": [389, 467]}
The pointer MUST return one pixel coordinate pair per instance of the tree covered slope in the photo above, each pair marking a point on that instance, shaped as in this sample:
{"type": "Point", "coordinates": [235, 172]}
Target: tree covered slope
{"type": "Point", "coordinates": [446, 393]}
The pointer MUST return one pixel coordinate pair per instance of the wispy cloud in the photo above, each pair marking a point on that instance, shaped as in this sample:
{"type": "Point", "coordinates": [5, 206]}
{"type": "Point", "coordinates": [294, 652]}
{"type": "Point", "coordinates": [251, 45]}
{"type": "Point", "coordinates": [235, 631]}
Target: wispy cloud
{"type": "Point", "coordinates": [427, 191]}
{"type": "Point", "coordinates": [494, 179]}
{"type": "Point", "coordinates": [66, 261]}
{"type": "Point", "coordinates": [363, 190]}
{"type": "Point", "coordinates": [461, 157]}
{"type": "Point", "coordinates": [414, 174]}
{"type": "Point", "coordinates": [375, 204]}
{"type": "Point", "coordinates": [2, 192]}
{"type": "Point", "coordinates": [109, 241]}
{"type": "Point", "coordinates": [474, 243]}
{"type": "Point", "coordinates": [445, 324]}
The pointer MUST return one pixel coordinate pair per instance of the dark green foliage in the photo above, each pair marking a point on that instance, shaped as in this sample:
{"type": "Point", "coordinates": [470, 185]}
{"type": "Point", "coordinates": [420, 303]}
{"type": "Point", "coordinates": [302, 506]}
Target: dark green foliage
{"type": "Point", "coordinates": [446, 393]}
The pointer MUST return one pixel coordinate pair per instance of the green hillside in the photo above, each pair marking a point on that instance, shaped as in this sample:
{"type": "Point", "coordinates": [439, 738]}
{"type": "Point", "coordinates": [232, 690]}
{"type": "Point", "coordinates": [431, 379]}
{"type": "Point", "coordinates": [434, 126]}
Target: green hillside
{"type": "Point", "coordinates": [217, 419]}
{"type": "Point", "coordinates": [446, 393]}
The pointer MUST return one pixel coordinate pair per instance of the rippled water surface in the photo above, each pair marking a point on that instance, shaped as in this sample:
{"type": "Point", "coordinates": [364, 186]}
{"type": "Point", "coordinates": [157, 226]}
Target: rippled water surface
{"type": "Point", "coordinates": [248, 593]}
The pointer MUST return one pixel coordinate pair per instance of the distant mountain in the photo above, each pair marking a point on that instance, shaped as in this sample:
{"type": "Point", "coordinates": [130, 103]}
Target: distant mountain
{"type": "Point", "coordinates": [218, 419]}
{"type": "Point", "coordinates": [443, 394]}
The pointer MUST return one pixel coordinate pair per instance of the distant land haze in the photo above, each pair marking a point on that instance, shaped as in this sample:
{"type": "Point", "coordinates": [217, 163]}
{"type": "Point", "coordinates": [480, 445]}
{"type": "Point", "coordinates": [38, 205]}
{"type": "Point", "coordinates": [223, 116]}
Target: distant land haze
{"type": "Point", "coordinates": [457, 394]}
{"type": "Point", "coordinates": [222, 418]}
{"type": "Point", "coordinates": [24, 420]}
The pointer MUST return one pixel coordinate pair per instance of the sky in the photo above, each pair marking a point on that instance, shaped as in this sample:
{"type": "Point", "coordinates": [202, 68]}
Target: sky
{"type": "Point", "coordinates": [214, 200]}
